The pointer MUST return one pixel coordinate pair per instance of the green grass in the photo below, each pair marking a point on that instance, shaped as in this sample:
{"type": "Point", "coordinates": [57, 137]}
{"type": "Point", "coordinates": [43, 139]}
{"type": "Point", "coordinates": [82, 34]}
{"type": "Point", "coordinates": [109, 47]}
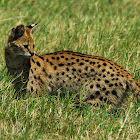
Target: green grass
{"type": "Point", "coordinates": [106, 28]}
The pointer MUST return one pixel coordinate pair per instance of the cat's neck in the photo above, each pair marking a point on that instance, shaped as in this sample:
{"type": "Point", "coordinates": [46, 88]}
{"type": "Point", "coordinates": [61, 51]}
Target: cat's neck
{"type": "Point", "coordinates": [16, 63]}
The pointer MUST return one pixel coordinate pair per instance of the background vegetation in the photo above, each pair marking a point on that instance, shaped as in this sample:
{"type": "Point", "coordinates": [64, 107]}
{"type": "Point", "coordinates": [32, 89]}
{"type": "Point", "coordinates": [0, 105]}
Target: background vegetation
{"type": "Point", "coordinates": [106, 28]}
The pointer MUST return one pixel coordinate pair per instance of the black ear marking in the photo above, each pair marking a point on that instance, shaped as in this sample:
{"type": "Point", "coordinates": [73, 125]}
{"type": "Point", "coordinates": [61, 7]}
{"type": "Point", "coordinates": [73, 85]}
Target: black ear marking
{"type": "Point", "coordinates": [16, 33]}
{"type": "Point", "coordinates": [32, 27]}
{"type": "Point", "coordinates": [19, 31]}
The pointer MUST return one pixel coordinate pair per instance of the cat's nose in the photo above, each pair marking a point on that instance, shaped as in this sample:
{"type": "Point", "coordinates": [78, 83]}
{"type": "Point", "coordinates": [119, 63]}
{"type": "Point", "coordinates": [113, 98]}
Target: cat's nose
{"type": "Point", "coordinates": [32, 53]}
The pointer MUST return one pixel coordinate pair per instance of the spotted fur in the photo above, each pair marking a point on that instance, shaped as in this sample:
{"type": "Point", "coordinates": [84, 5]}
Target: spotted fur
{"type": "Point", "coordinates": [96, 79]}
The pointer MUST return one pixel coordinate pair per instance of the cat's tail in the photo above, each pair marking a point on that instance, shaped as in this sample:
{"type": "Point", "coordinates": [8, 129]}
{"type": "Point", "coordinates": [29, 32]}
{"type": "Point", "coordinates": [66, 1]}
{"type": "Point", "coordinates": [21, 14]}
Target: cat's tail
{"type": "Point", "coordinates": [134, 87]}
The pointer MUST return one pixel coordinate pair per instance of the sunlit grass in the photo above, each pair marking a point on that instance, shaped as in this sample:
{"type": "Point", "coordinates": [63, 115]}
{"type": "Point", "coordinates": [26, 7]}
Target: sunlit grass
{"type": "Point", "coordinates": [105, 28]}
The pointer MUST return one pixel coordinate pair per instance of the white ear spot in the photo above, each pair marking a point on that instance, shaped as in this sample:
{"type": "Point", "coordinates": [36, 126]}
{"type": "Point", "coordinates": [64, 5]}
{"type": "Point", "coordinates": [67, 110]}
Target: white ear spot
{"type": "Point", "coordinates": [33, 25]}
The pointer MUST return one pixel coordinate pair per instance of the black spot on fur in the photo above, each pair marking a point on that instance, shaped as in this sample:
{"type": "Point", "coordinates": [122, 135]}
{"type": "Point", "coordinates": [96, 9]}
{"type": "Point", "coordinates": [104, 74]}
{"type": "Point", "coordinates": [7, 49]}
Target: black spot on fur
{"type": "Point", "coordinates": [108, 72]}
{"type": "Point", "coordinates": [98, 85]}
{"type": "Point", "coordinates": [97, 92]}
{"type": "Point", "coordinates": [41, 57]}
{"type": "Point", "coordinates": [36, 91]}
{"type": "Point", "coordinates": [91, 86]}
{"type": "Point", "coordinates": [31, 89]}
{"type": "Point", "coordinates": [55, 68]}
{"type": "Point", "coordinates": [104, 64]}
{"type": "Point", "coordinates": [62, 56]}
{"type": "Point", "coordinates": [61, 64]}
{"type": "Point", "coordinates": [81, 63]}
{"type": "Point", "coordinates": [43, 69]}
{"type": "Point", "coordinates": [106, 81]}
{"type": "Point", "coordinates": [72, 63]}
{"type": "Point", "coordinates": [34, 77]}
{"type": "Point", "coordinates": [99, 66]}
{"type": "Point", "coordinates": [107, 92]}
{"type": "Point", "coordinates": [89, 57]}
{"type": "Point", "coordinates": [103, 70]}
{"type": "Point", "coordinates": [70, 78]}
{"type": "Point", "coordinates": [53, 57]}
{"type": "Point", "coordinates": [33, 60]}
{"type": "Point", "coordinates": [92, 97]}
{"type": "Point", "coordinates": [105, 99]}
{"type": "Point", "coordinates": [79, 71]}
{"type": "Point", "coordinates": [92, 63]}
{"type": "Point", "coordinates": [57, 79]}
{"type": "Point", "coordinates": [86, 68]}
{"type": "Point", "coordinates": [31, 71]}
{"type": "Point", "coordinates": [98, 79]}
{"type": "Point", "coordinates": [86, 60]}
{"type": "Point", "coordinates": [73, 69]}
{"type": "Point", "coordinates": [85, 73]}
{"type": "Point", "coordinates": [101, 98]}
{"type": "Point", "coordinates": [49, 76]}
{"type": "Point", "coordinates": [74, 76]}
{"type": "Point", "coordinates": [101, 59]}
{"type": "Point", "coordinates": [67, 69]}
{"type": "Point", "coordinates": [120, 84]}
{"type": "Point", "coordinates": [114, 93]}
{"type": "Point", "coordinates": [63, 73]}
{"type": "Point", "coordinates": [104, 88]}
{"type": "Point", "coordinates": [79, 80]}
{"type": "Point", "coordinates": [51, 63]}
{"type": "Point", "coordinates": [42, 82]}
{"type": "Point", "coordinates": [57, 58]}
{"type": "Point", "coordinates": [77, 60]}
{"type": "Point", "coordinates": [110, 85]}
{"type": "Point", "coordinates": [112, 75]}
{"type": "Point", "coordinates": [116, 84]}
{"type": "Point", "coordinates": [92, 70]}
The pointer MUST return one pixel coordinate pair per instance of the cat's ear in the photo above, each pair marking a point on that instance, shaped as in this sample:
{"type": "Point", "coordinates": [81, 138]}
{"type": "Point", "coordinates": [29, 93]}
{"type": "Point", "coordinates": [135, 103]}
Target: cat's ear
{"type": "Point", "coordinates": [16, 33]}
{"type": "Point", "coordinates": [33, 27]}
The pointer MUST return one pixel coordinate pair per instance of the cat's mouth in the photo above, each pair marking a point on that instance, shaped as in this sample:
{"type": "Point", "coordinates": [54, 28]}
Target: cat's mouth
{"type": "Point", "coordinates": [25, 54]}
{"type": "Point", "coordinates": [29, 54]}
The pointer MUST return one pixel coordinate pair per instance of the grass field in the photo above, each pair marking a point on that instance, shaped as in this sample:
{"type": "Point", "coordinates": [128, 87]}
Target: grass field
{"type": "Point", "coordinates": [106, 28]}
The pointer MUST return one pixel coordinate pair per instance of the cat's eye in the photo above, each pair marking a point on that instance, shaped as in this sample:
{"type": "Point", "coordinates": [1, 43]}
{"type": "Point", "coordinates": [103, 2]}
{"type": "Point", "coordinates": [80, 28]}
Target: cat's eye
{"type": "Point", "coordinates": [26, 46]}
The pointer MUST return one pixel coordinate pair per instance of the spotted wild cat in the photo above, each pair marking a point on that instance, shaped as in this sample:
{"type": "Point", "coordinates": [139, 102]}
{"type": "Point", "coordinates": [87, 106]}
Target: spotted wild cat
{"type": "Point", "coordinates": [96, 78]}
